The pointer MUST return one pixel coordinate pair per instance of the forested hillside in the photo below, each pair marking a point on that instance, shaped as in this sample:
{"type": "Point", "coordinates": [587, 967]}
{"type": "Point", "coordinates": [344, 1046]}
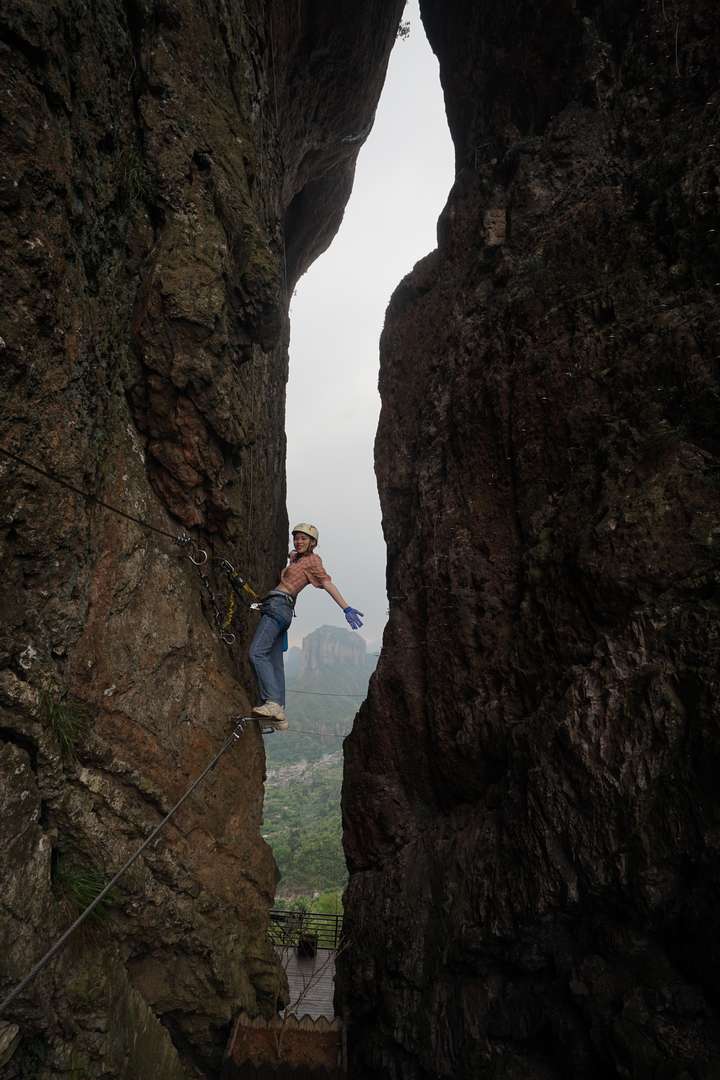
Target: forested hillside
{"type": "Point", "coordinates": [302, 823]}
{"type": "Point", "coordinates": [302, 792]}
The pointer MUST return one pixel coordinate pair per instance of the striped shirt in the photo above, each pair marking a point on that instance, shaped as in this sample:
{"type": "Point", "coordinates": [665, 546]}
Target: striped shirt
{"type": "Point", "coordinates": [304, 570]}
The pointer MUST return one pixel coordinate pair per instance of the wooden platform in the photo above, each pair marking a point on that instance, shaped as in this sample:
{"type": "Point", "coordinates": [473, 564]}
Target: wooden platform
{"type": "Point", "coordinates": [311, 982]}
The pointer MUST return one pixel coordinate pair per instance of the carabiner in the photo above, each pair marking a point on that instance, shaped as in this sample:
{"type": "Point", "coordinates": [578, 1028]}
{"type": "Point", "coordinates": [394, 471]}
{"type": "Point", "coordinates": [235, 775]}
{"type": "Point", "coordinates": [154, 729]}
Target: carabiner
{"type": "Point", "coordinates": [183, 540]}
{"type": "Point", "coordinates": [227, 567]}
{"type": "Point", "coordinates": [227, 637]}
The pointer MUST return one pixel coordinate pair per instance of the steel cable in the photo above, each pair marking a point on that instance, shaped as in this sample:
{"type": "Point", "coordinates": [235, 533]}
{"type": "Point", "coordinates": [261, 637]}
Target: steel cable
{"type": "Point", "coordinates": [161, 532]}
{"type": "Point", "coordinates": [323, 693]}
{"type": "Point", "coordinates": [182, 539]}
{"type": "Point", "coordinates": [236, 733]}
{"type": "Point", "coordinates": [85, 494]}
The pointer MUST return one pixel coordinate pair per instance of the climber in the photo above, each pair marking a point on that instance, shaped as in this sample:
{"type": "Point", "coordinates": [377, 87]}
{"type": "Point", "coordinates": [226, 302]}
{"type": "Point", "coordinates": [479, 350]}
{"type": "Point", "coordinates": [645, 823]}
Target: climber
{"type": "Point", "coordinates": [266, 650]}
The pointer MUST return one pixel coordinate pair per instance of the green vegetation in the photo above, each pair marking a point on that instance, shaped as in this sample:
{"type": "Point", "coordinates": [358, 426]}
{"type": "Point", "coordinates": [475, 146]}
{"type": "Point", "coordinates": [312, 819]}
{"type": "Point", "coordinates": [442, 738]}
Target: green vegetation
{"type": "Point", "coordinates": [329, 903]}
{"type": "Point", "coordinates": [318, 726]}
{"type": "Point", "coordinates": [80, 884]}
{"type": "Point", "coordinates": [302, 824]}
{"type": "Point", "coordinates": [327, 681]}
{"type": "Point", "coordinates": [69, 720]}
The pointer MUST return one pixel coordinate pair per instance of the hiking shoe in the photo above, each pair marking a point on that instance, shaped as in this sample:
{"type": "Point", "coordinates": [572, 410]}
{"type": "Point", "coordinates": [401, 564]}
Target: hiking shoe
{"type": "Point", "coordinates": [272, 714]}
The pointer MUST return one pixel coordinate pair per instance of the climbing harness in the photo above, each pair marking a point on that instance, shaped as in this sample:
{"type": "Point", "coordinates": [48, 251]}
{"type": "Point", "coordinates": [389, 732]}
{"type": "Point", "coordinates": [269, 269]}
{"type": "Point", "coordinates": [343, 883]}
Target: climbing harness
{"type": "Point", "coordinates": [238, 729]}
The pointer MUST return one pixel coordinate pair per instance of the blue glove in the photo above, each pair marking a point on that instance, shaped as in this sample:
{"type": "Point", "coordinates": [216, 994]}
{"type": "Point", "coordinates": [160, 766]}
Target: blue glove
{"type": "Point", "coordinates": [353, 617]}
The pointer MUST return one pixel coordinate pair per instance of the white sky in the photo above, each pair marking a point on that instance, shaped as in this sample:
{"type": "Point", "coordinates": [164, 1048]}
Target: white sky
{"type": "Point", "coordinates": [403, 177]}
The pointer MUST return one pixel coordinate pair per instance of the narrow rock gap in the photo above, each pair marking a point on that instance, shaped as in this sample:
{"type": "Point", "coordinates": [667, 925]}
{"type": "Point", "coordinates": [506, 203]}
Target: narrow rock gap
{"type": "Point", "coordinates": [403, 176]}
{"type": "Point", "coordinates": [530, 792]}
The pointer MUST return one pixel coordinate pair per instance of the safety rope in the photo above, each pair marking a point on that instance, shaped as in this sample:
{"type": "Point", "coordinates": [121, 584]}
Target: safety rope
{"type": "Point", "coordinates": [230, 614]}
{"type": "Point", "coordinates": [239, 584]}
{"type": "Point", "coordinates": [197, 556]}
{"type": "Point", "coordinates": [240, 722]}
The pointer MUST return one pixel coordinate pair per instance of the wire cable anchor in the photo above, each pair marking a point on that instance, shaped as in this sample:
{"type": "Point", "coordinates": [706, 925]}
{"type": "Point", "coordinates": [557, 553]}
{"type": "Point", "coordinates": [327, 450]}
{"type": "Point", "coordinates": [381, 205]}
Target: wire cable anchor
{"type": "Point", "coordinates": [197, 555]}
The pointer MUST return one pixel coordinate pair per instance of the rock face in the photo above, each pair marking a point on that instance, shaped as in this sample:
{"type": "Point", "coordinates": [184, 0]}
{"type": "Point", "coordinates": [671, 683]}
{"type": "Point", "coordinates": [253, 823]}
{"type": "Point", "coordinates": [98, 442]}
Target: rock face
{"type": "Point", "coordinates": [531, 801]}
{"type": "Point", "coordinates": [168, 170]}
{"type": "Point", "coordinates": [329, 648]}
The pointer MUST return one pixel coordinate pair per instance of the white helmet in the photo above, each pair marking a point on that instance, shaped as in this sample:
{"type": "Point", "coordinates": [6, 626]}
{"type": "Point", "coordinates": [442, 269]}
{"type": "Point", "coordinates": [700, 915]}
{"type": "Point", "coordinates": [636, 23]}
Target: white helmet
{"type": "Point", "coordinates": [307, 530]}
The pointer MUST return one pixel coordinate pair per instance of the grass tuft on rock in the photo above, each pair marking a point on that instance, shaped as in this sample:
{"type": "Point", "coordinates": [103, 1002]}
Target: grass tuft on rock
{"type": "Point", "coordinates": [80, 884]}
{"type": "Point", "coordinates": [69, 720]}
{"type": "Point", "coordinates": [137, 182]}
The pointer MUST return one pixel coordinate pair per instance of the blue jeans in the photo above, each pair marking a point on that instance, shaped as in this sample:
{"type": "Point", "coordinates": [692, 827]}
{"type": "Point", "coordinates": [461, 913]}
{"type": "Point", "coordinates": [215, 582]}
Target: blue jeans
{"type": "Point", "coordinates": [266, 649]}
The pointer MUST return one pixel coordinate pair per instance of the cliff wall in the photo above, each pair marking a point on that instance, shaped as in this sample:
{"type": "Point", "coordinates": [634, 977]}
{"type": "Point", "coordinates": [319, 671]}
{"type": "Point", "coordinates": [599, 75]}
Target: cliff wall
{"type": "Point", "coordinates": [530, 801]}
{"type": "Point", "coordinates": [168, 170]}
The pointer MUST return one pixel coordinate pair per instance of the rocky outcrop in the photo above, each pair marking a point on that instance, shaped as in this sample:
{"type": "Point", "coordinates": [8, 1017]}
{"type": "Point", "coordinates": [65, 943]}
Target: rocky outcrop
{"type": "Point", "coordinates": [168, 170]}
{"type": "Point", "coordinates": [326, 681]}
{"type": "Point", "coordinates": [330, 651]}
{"type": "Point", "coordinates": [530, 800]}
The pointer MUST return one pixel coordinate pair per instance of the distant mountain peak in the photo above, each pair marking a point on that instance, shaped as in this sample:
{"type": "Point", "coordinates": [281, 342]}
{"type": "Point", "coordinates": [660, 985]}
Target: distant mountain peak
{"type": "Point", "coordinates": [326, 636]}
{"type": "Point", "coordinates": [333, 650]}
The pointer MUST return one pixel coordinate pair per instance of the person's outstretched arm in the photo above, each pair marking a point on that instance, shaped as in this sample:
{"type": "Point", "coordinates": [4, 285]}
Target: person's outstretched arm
{"type": "Point", "coordinates": [330, 588]}
{"type": "Point", "coordinates": [353, 616]}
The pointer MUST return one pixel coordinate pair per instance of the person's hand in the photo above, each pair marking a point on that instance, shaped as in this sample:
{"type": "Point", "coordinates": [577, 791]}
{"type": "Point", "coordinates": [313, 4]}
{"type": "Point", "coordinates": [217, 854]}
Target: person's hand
{"type": "Point", "coordinates": [354, 617]}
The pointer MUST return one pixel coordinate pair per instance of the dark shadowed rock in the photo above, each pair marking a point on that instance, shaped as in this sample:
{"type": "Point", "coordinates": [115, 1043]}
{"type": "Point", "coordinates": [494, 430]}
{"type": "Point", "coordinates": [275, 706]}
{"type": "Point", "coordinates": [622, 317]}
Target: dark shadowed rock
{"type": "Point", "coordinates": [531, 802]}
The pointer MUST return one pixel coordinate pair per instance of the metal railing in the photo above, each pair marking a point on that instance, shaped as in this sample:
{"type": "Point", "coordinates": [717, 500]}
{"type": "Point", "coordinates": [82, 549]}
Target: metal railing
{"type": "Point", "coordinates": [290, 927]}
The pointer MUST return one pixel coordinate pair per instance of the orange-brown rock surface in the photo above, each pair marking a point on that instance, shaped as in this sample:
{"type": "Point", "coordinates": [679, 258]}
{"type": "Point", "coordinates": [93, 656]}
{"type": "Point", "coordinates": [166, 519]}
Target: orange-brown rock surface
{"type": "Point", "coordinates": [168, 169]}
{"type": "Point", "coordinates": [531, 793]}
